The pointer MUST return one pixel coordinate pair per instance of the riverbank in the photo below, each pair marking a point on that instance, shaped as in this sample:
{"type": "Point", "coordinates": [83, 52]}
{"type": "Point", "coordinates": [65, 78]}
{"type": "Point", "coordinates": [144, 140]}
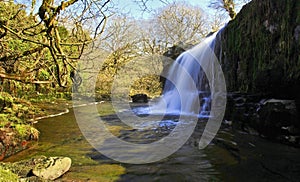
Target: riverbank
{"type": "Point", "coordinates": [60, 136]}
{"type": "Point", "coordinates": [18, 131]}
{"type": "Point", "coordinates": [18, 116]}
{"type": "Point", "coordinates": [52, 108]}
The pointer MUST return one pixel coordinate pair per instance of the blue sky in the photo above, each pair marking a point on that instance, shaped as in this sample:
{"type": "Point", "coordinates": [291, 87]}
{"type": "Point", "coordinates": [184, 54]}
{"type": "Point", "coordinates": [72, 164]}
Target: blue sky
{"type": "Point", "coordinates": [128, 6]}
{"type": "Point", "coordinates": [135, 11]}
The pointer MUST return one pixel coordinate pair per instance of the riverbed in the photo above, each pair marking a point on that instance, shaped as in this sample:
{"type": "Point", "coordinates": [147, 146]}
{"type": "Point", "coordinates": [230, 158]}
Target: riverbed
{"type": "Point", "coordinates": [232, 156]}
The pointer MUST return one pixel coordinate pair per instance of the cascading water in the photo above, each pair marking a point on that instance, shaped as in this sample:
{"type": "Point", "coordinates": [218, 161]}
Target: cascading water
{"type": "Point", "coordinates": [186, 85]}
{"type": "Point", "coordinates": [172, 120]}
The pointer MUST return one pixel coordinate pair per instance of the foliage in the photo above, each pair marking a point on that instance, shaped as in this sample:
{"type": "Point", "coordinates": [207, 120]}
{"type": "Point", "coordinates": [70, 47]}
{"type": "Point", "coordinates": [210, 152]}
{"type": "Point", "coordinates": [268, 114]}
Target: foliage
{"type": "Point", "coordinates": [181, 23]}
{"type": "Point", "coordinates": [15, 129]}
{"type": "Point", "coordinates": [229, 6]}
{"type": "Point", "coordinates": [128, 41]}
{"type": "Point", "coordinates": [42, 49]}
{"type": "Point", "coordinates": [6, 100]}
{"type": "Point", "coordinates": [149, 85]}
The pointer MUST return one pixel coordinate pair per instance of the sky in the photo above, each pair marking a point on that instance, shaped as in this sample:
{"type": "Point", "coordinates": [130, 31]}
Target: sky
{"type": "Point", "coordinates": [129, 7]}
{"type": "Point", "coordinates": [134, 9]}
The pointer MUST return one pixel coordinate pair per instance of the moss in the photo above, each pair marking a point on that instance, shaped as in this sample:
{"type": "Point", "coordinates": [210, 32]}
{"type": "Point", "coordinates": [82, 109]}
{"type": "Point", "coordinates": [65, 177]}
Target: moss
{"type": "Point", "coordinates": [25, 130]}
{"type": "Point", "coordinates": [4, 119]}
{"type": "Point", "coordinates": [103, 173]}
{"type": "Point", "coordinates": [259, 50]}
{"type": "Point", "coordinates": [6, 100]}
{"type": "Point", "coordinates": [105, 109]}
{"type": "Point", "coordinates": [6, 97]}
{"type": "Point", "coordinates": [7, 176]}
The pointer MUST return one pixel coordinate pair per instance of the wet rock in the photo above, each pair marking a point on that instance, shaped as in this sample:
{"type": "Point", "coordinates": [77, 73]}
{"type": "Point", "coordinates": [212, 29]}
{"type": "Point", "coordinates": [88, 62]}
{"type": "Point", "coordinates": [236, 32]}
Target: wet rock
{"type": "Point", "coordinates": [277, 120]}
{"type": "Point", "coordinates": [275, 115]}
{"type": "Point", "coordinates": [52, 168]}
{"type": "Point", "coordinates": [139, 98]}
{"type": "Point", "coordinates": [241, 110]}
{"type": "Point", "coordinates": [174, 51]}
{"type": "Point", "coordinates": [270, 118]}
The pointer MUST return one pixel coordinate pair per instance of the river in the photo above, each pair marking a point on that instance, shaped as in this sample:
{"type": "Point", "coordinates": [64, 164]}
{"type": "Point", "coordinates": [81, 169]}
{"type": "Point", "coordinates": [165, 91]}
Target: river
{"type": "Point", "coordinates": [232, 155]}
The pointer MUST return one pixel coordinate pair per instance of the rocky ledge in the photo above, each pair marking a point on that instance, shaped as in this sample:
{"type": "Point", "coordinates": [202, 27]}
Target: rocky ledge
{"type": "Point", "coordinates": [275, 119]}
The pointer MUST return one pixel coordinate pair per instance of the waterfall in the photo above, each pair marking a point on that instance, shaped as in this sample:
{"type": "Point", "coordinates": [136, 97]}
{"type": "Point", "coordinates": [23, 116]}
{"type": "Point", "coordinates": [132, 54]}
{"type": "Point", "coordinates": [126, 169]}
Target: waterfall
{"type": "Point", "coordinates": [195, 87]}
{"type": "Point", "coordinates": [186, 87]}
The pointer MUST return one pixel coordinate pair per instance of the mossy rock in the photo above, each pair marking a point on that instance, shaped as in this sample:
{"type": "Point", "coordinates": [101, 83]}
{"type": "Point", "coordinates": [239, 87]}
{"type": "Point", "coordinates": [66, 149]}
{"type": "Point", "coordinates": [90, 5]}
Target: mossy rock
{"type": "Point", "coordinates": [261, 48]}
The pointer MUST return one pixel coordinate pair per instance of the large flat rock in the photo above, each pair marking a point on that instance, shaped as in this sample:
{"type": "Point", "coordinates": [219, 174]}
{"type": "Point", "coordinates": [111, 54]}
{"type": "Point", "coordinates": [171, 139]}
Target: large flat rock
{"type": "Point", "coordinates": [52, 168]}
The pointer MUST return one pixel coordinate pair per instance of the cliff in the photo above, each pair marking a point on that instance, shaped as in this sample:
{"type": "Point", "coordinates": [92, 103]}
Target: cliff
{"type": "Point", "coordinates": [260, 49]}
{"type": "Point", "coordinates": [259, 54]}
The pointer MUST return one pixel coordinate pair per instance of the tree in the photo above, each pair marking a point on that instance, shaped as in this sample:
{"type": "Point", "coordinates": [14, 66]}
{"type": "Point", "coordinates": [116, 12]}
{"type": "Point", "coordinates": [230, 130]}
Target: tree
{"type": "Point", "coordinates": [228, 5]}
{"type": "Point", "coordinates": [180, 24]}
{"type": "Point", "coordinates": [52, 39]}
{"type": "Point", "coordinates": [216, 21]}
{"type": "Point", "coordinates": [121, 41]}
{"type": "Point", "coordinates": [144, 4]}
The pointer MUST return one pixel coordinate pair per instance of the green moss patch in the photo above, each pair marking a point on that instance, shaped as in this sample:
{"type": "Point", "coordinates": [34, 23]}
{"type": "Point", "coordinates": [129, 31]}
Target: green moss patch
{"type": "Point", "coordinates": [7, 176]}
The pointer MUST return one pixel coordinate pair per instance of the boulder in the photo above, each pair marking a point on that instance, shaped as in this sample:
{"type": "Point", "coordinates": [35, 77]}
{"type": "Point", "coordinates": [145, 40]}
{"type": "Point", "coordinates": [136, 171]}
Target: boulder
{"type": "Point", "coordinates": [139, 98]}
{"type": "Point", "coordinates": [52, 168]}
{"type": "Point", "coordinates": [278, 118]}
{"type": "Point", "coordinates": [39, 168]}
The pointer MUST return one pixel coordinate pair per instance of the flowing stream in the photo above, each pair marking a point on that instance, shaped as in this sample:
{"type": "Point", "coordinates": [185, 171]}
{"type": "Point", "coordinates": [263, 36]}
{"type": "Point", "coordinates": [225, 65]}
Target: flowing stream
{"type": "Point", "coordinates": [232, 156]}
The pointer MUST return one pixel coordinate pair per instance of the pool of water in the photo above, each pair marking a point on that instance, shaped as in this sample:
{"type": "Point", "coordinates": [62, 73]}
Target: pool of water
{"type": "Point", "coordinates": [232, 155]}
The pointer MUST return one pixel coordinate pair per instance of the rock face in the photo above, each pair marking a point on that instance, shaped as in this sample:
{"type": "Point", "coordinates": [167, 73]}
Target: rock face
{"type": "Point", "coordinates": [260, 49]}
{"type": "Point", "coordinates": [259, 54]}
